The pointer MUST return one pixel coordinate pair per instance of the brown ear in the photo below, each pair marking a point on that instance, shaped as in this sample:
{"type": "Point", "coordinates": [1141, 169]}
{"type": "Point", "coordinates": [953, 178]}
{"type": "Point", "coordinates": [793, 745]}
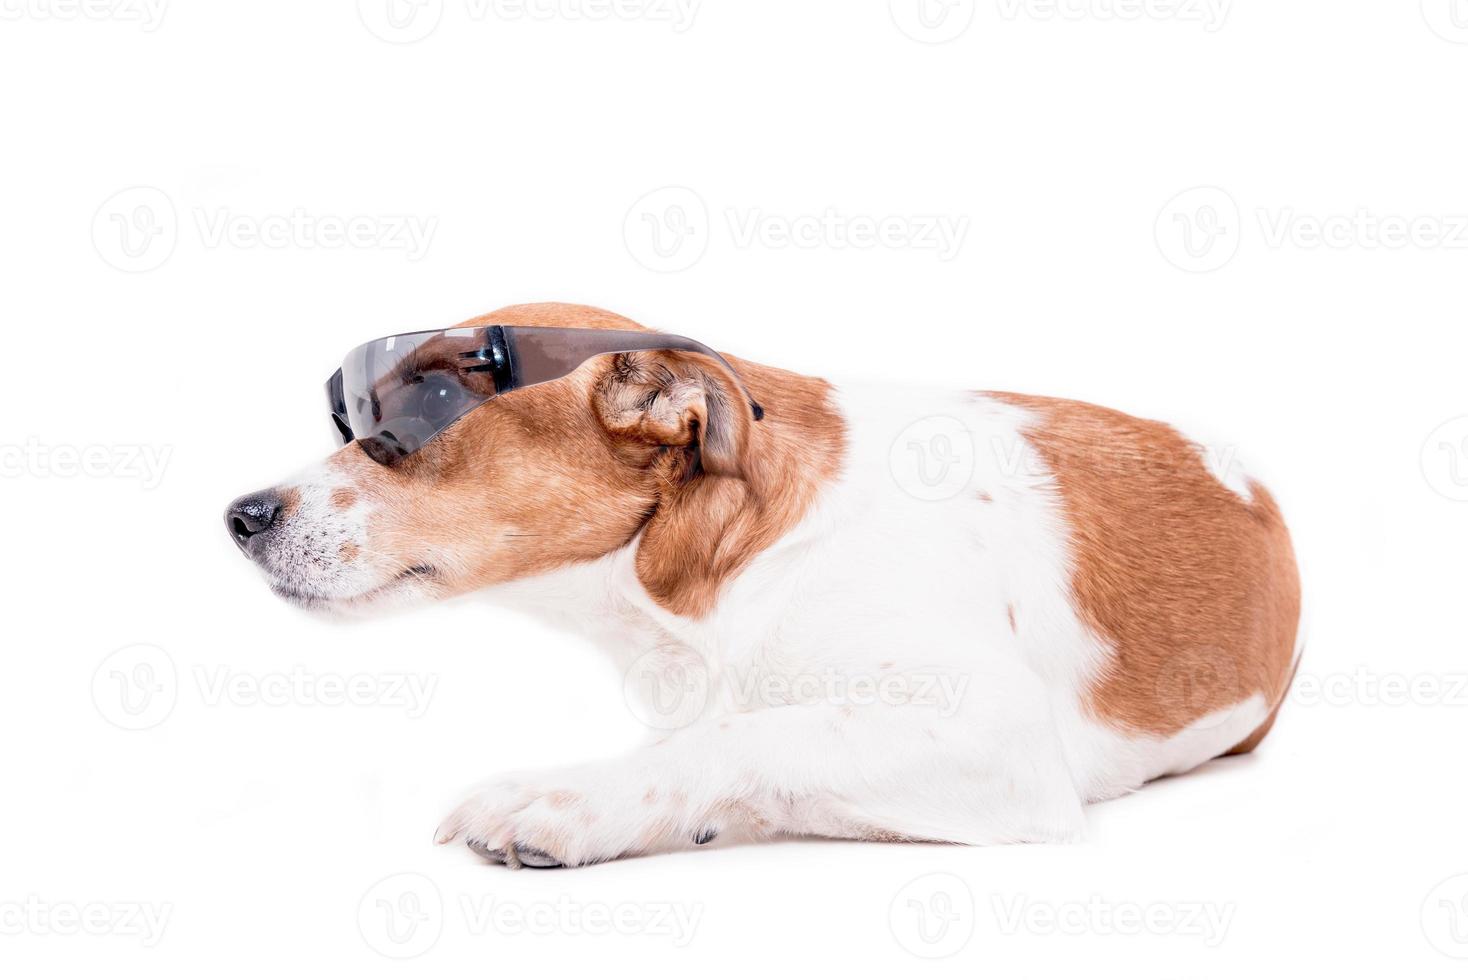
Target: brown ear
{"type": "Point", "coordinates": [680, 400]}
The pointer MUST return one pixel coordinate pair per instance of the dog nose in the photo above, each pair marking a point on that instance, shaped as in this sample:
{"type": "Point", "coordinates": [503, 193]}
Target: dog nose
{"type": "Point", "coordinates": [252, 514]}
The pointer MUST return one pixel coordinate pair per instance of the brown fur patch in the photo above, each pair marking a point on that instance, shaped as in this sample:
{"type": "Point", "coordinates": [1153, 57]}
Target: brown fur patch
{"type": "Point", "coordinates": [342, 498]}
{"type": "Point", "coordinates": [705, 533]}
{"type": "Point", "coordinates": [290, 500]}
{"type": "Point", "coordinates": [1194, 588]}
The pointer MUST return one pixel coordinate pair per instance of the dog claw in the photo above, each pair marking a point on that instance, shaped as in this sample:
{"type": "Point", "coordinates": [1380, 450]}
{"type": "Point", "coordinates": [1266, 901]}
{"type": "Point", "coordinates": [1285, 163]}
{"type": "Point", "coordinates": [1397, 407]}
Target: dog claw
{"type": "Point", "coordinates": [529, 857]}
{"type": "Point", "coordinates": [486, 852]}
{"type": "Point", "coordinates": [514, 857]}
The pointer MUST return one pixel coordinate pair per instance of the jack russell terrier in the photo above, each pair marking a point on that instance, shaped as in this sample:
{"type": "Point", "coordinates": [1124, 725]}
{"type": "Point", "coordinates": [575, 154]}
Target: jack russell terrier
{"type": "Point", "coordinates": [857, 612]}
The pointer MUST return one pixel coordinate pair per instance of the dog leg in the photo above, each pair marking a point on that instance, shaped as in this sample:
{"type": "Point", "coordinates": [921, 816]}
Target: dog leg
{"type": "Point", "coordinates": [989, 773]}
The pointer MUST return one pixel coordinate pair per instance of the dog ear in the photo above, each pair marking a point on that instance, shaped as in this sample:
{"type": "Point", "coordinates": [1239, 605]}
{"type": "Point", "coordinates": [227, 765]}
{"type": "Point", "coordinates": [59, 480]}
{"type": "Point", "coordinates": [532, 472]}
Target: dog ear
{"type": "Point", "coordinates": [678, 400]}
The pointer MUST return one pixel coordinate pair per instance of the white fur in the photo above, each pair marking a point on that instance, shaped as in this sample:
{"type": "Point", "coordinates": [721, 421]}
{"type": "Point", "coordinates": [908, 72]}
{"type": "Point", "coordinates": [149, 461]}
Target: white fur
{"type": "Point", "coordinates": [979, 735]}
{"type": "Point", "coordinates": [305, 562]}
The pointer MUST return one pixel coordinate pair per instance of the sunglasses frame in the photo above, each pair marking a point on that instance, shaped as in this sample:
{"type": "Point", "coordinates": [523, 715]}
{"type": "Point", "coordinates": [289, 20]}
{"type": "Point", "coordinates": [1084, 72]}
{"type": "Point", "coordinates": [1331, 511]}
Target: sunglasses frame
{"type": "Point", "coordinates": [517, 358]}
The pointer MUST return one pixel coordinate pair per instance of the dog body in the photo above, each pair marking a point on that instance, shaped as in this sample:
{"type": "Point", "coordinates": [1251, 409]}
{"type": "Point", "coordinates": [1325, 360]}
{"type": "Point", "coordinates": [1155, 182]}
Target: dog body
{"type": "Point", "coordinates": [876, 613]}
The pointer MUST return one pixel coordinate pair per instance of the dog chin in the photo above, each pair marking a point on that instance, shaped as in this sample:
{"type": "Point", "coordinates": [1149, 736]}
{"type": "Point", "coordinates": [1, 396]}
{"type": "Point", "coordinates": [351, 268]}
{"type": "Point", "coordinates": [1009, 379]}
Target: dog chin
{"type": "Point", "coordinates": [409, 587]}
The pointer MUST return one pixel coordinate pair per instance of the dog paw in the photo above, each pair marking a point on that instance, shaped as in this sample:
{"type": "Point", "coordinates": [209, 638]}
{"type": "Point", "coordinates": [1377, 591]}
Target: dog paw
{"type": "Point", "coordinates": [533, 824]}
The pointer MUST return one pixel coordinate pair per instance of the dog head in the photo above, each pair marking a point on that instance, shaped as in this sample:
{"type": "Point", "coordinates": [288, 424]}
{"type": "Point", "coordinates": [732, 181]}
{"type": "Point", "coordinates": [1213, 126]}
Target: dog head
{"type": "Point", "coordinates": [526, 483]}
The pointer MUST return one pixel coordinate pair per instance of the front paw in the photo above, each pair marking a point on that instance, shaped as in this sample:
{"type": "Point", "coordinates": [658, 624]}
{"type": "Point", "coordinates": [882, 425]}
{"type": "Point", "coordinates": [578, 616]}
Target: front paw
{"type": "Point", "coordinates": [532, 823]}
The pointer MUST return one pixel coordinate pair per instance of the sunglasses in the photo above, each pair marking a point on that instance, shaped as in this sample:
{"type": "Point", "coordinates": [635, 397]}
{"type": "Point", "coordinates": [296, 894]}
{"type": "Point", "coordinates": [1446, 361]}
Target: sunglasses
{"type": "Point", "coordinates": [394, 394]}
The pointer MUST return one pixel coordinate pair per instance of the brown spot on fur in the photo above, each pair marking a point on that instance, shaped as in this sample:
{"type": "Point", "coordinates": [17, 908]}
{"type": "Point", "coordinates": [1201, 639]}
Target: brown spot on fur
{"type": "Point", "coordinates": [290, 500]}
{"type": "Point", "coordinates": [342, 498]}
{"type": "Point", "coordinates": [985, 496]}
{"type": "Point", "coordinates": [348, 551]}
{"type": "Point", "coordinates": [562, 799]}
{"type": "Point", "coordinates": [651, 796]}
{"type": "Point", "coordinates": [1187, 582]}
{"type": "Point", "coordinates": [1009, 609]}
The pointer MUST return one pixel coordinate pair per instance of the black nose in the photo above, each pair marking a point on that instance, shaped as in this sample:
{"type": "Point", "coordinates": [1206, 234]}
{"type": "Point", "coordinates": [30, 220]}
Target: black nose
{"type": "Point", "coordinates": [252, 514]}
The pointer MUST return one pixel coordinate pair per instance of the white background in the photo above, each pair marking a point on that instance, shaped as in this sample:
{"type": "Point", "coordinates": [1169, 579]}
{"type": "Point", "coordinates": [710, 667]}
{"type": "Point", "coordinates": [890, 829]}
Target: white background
{"type": "Point", "coordinates": [525, 143]}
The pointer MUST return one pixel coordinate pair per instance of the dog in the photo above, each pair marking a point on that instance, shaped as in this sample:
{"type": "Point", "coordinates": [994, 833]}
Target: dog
{"type": "Point", "coordinates": [869, 613]}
